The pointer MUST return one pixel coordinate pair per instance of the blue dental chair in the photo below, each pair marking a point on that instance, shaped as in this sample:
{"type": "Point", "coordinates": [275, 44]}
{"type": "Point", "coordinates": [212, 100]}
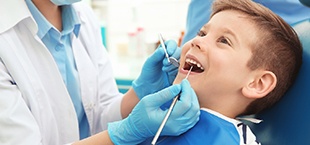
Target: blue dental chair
{"type": "Point", "coordinates": [288, 122]}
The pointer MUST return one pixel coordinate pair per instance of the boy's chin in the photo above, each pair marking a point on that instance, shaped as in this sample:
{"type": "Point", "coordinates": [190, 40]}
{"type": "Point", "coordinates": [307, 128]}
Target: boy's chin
{"type": "Point", "coordinates": [177, 80]}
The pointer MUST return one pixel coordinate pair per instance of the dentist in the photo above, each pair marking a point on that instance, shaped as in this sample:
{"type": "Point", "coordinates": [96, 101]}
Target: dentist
{"type": "Point", "coordinates": [57, 86]}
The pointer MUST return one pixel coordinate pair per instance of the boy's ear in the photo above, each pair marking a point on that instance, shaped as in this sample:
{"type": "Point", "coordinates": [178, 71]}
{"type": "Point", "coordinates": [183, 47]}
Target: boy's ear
{"type": "Point", "coordinates": [262, 84]}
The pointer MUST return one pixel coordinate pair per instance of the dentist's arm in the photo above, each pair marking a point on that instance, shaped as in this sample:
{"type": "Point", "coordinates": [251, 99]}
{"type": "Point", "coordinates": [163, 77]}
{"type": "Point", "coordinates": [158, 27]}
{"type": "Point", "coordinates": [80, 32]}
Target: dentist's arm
{"type": "Point", "coordinates": [101, 138]}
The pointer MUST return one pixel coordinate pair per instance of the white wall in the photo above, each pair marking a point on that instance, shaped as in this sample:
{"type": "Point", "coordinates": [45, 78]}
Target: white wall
{"type": "Point", "coordinates": [165, 16]}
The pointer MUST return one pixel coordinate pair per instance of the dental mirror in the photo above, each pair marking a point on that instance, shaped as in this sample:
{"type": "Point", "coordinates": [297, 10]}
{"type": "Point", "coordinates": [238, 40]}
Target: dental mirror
{"type": "Point", "coordinates": [171, 60]}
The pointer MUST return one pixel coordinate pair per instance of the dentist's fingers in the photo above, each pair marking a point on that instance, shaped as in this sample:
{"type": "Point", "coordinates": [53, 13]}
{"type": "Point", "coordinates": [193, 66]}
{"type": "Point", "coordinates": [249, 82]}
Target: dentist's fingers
{"type": "Point", "coordinates": [157, 56]}
{"type": "Point", "coordinates": [163, 96]}
{"type": "Point", "coordinates": [173, 49]}
{"type": "Point", "coordinates": [187, 106]}
{"type": "Point", "coordinates": [187, 100]}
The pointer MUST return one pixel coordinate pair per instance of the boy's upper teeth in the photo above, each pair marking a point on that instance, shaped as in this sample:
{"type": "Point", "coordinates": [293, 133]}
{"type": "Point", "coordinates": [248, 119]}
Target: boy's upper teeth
{"type": "Point", "coordinates": [188, 60]}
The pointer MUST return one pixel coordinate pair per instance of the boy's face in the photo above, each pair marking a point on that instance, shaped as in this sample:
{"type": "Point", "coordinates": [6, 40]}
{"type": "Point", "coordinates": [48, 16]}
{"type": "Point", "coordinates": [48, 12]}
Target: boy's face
{"type": "Point", "coordinates": [219, 54]}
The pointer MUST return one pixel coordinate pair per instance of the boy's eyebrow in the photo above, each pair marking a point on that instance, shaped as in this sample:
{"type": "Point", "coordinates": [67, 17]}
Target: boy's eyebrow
{"type": "Point", "coordinates": [230, 32]}
{"type": "Point", "coordinates": [225, 31]}
{"type": "Point", "coordinates": [205, 27]}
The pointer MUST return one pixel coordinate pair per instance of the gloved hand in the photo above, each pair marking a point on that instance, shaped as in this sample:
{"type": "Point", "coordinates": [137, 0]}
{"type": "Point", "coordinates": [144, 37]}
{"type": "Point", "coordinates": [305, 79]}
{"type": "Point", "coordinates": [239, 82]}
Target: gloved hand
{"type": "Point", "coordinates": [146, 117]}
{"type": "Point", "coordinates": [157, 73]}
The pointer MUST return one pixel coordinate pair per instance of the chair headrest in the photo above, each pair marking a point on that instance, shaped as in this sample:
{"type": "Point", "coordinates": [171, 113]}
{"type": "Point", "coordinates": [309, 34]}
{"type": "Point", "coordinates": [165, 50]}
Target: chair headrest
{"type": "Point", "coordinates": [287, 123]}
{"type": "Point", "coordinates": [305, 2]}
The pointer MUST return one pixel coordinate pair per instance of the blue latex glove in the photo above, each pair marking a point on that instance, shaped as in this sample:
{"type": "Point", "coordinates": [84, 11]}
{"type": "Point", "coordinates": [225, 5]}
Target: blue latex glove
{"type": "Point", "coordinates": [157, 73]}
{"type": "Point", "coordinates": [146, 117]}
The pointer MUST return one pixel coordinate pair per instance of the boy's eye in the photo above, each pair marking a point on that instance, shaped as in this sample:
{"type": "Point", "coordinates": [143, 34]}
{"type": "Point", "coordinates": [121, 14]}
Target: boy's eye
{"type": "Point", "coordinates": [201, 33]}
{"type": "Point", "coordinates": [224, 40]}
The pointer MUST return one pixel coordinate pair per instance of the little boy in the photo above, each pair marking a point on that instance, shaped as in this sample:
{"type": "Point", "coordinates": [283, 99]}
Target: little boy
{"type": "Point", "coordinates": [244, 59]}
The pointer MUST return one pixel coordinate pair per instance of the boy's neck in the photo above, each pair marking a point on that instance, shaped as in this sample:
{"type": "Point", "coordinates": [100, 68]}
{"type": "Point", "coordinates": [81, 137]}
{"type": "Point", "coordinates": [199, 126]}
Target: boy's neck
{"type": "Point", "coordinates": [230, 108]}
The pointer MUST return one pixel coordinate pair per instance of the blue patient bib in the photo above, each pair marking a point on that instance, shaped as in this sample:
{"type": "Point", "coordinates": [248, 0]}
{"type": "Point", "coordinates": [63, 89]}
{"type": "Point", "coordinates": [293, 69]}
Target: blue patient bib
{"type": "Point", "coordinates": [210, 130]}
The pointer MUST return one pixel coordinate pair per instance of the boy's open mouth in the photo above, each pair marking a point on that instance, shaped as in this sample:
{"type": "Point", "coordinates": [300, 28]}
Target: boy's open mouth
{"type": "Point", "coordinates": [197, 67]}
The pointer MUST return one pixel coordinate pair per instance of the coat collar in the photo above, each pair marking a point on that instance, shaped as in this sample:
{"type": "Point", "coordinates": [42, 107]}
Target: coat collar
{"type": "Point", "coordinates": [10, 16]}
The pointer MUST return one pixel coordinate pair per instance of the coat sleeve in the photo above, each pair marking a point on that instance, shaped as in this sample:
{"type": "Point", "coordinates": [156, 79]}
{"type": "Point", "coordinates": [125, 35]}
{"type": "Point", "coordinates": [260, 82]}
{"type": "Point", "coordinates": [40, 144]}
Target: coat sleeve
{"type": "Point", "coordinates": [17, 124]}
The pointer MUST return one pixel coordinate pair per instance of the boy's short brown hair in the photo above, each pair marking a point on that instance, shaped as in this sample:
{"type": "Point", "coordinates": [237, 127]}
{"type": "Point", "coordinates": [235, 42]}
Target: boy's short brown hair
{"type": "Point", "coordinates": [278, 49]}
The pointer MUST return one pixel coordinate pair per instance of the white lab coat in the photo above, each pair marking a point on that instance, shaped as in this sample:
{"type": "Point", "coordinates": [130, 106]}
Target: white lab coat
{"type": "Point", "coordinates": [35, 107]}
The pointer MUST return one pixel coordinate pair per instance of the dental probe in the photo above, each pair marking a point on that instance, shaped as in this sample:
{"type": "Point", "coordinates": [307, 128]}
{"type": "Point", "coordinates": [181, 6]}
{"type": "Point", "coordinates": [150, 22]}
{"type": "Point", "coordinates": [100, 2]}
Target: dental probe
{"type": "Point", "coordinates": [168, 113]}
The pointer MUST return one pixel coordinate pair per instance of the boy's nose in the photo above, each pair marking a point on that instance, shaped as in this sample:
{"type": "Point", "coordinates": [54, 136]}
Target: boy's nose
{"type": "Point", "coordinates": [198, 42]}
{"type": "Point", "coordinates": [195, 43]}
